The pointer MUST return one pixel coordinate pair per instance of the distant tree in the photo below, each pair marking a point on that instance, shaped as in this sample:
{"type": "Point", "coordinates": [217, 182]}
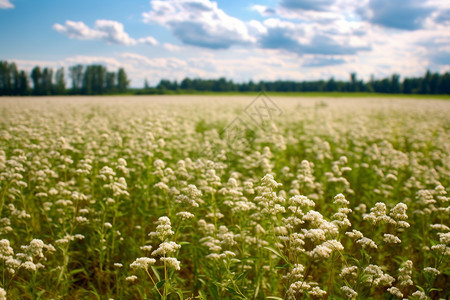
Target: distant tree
{"type": "Point", "coordinates": [110, 82]}
{"type": "Point", "coordinates": [47, 81]}
{"type": "Point", "coordinates": [331, 85]}
{"type": "Point", "coordinates": [5, 78]}
{"type": "Point", "coordinates": [122, 81]}
{"type": "Point", "coordinates": [60, 82]}
{"type": "Point", "coordinates": [407, 86]}
{"type": "Point", "coordinates": [146, 85]}
{"type": "Point", "coordinates": [395, 84]}
{"type": "Point", "coordinates": [444, 84]}
{"type": "Point", "coordinates": [23, 83]}
{"type": "Point", "coordinates": [186, 84]}
{"type": "Point", "coordinates": [94, 79]}
{"type": "Point", "coordinates": [76, 73]}
{"type": "Point", "coordinates": [36, 76]}
{"type": "Point", "coordinates": [434, 83]}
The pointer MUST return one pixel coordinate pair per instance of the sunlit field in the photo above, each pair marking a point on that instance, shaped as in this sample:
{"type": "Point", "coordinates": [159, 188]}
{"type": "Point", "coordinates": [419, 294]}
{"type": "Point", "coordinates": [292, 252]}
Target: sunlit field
{"type": "Point", "coordinates": [208, 197]}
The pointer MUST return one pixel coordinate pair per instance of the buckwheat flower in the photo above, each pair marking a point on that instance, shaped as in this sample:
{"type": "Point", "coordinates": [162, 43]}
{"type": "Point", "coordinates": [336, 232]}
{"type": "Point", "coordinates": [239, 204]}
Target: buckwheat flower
{"type": "Point", "coordinates": [321, 251]}
{"type": "Point", "coordinates": [301, 201]}
{"type": "Point", "coordinates": [165, 248]}
{"type": "Point", "coordinates": [28, 265]}
{"type": "Point", "coordinates": [214, 256]}
{"type": "Point", "coordinates": [349, 293]}
{"type": "Point", "coordinates": [420, 295]}
{"type": "Point", "coordinates": [131, 278]}
{"type": "Point", "coordinates": [314, 217]}
{"type": "Point", "coordinates": [399, 211]}
{"type": "Point", "coordinates": [392, 239]}
{"type": "Point", "coordinates": [142, 263]}
{"type": "Point", "coordinates": [355, 234]}
{"type": "Point", "coordinates": [2, 294]}
{"type": "Point", "coordinates": [298, 287]}
{"type": "Point", "coordinates": [366, 242]}
{"type": "Point", "coordinates": [317, 292]}
{"type": "Point", "coordinates": [351, 272]}
{"type": "Point", "coordinates": [146, 248]}
{"type": "Point", "coordinates": [431, 271]}
{"type": "Point", "coordinates": [81, 219]}
{"type": "Point", "coordinates": [444, 238]}
{"type": "Point", "coordinates": [339, 199]}
{"type": "Point", "coordinates": [172, 262]}
{"type": "Point", "coordinates": [6, 250]}
{"type": "Point", "coordinates": [163, 230]}
{"type": "Point", "coordinates": [395, 292]}
{"type": "Point", "coordinates": [315, 234]}
{"type": "Point", "coordinates": [162, 186]}
{"type": "Point", "coordinates": [440, 227]}
{"type": "Point", "coordinates": [405, 274]}
{"type": "Point", "coordinates": [378, 214]}
{"type": "Point", "coordinates": [107, 225]}
{"type": "Point", "coordinates": [118, 265]}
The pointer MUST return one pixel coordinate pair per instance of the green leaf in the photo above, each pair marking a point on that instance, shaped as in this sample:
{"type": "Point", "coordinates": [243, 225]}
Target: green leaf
{"type": "Point", "coordinates": [156, 272]}
{"type": "Point", "coordinates": [274, 298]}
{"type": "Point", "coordinates": [276, 253]}
{"type": "Point", "coordinates": [285, 266]}
{"type": "Point", "coordinates": [160, 284]}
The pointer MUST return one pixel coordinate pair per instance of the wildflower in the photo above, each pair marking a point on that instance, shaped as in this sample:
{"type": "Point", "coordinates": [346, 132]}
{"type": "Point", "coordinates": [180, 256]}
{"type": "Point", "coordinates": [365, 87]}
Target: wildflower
{"type": "Point", "coordinates": [131, 278]}
{"type": "Point", "coordinates": [348, 292]}
{"type": "Point", "coordinates": [395, 292]}
{"type": "Point", "coordinates": [2, 294]}
{"type": "Point", "coordinates": [317, 292]}
{"type": "Point", "coordinates": [142, 263]}
{"type": "Point", "coordinates": [165, 248]}
{"type": "Point", "coordinates": [405, 274]}
{"type": "Point", "coordinates": [431, 271]}
{"type": "Point", "coordinates": [171, 261]}
{"type": "Point", "coordinates": [392, 239]}
{"type": "Point", "coordinates": [163, 230]}
{"type": "Point", "coordinates": [118, 265]}
{"type": "Point", "coordinates": [349, 272]}
{"type": "Point", "coordinates": [420, 295]}
{"type": "Point", "coordinates": [366, 242]}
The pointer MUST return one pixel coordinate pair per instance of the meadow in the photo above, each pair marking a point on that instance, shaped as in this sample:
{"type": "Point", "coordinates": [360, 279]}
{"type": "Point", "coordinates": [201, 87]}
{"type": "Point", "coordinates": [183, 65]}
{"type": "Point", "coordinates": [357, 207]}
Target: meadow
{"type": "Point", "coordinates": [224, 197]}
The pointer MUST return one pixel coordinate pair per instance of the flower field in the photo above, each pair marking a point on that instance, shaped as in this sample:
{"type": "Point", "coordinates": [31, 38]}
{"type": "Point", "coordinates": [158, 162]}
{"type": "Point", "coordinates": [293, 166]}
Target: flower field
{"type": "Point", "coordinates": [207, 197]}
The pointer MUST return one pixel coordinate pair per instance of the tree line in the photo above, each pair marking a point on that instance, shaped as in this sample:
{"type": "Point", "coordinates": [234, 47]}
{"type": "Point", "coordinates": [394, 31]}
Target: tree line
{"type": "Point", "coordinates": [97, 80]}
{"type": "Point", "coordinates": [430, 83]}
{"type": "Point", "coordinates": [86, 80]}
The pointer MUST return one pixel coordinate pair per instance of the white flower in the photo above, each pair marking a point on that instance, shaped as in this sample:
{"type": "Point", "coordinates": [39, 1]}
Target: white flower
{"type": "Point", "coordinates": [348, 292]}
{"type": "Point", "coordinates": [165, 248]}
{"type": "Point", "coordinates": [431, 271]}
{"type": "Point", "coordinates": [171, 261]}
{"type": "Point", "coordinates": [131, 278]}
{"type": "Point", "coordinates": [142, 263]}
{"type": "Point", "coordinates": [395, 291]}
{"type": "Point", "coordinates": [392, 239]}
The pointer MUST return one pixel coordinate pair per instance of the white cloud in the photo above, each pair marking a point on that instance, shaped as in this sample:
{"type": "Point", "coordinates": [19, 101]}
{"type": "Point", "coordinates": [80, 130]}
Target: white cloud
{"type": "Point", "coordinates": [148, 41]}
{"type": "Point", "coordinates": [5, 4]}
{"type": "Point", "coordinates": [199, 23]}
{"type": "Point", "coordinates": [112, 32]}
{"type": "Point", "coordinates": [171, 47]}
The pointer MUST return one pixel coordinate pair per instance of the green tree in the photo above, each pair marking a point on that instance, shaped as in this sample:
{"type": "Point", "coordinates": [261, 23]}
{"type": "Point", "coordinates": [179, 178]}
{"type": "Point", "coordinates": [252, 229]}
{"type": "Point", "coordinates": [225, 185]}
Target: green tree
{"type": "Point", "coordinates": [110, 82]}
{"type": "Point", "coordinates": [60, 82]}
{"type": "Point", "coordinates": [36, 76]}
{"type": "Point", "coordinates": [76, 73]}
{"type": "Point", "coordinates": [122, 81]}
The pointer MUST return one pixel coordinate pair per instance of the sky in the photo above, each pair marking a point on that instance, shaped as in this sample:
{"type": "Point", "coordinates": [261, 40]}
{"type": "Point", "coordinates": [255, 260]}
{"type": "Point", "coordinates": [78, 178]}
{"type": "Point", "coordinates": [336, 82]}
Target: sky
{"type": "Point", "coordinates": [240, 40]}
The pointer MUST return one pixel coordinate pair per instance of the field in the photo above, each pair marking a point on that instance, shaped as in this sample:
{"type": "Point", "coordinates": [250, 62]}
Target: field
{"type": "Point", "coordinates": [224, 197]}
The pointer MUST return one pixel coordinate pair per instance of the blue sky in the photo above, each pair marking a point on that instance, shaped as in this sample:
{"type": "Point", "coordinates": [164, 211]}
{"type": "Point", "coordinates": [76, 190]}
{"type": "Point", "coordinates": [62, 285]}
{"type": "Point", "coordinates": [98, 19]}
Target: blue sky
{"type": "Point", "coordinates": [240, 40]}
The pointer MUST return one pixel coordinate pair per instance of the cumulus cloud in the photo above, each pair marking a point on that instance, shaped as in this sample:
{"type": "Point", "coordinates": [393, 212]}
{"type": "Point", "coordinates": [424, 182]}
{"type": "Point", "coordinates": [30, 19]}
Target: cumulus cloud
{"type": "Point", "coordinates": [407, 15]}
{"type": "Point", "coordinates": [199, 23]}
{"type": "Point", "coordinates": [307, 38]}
{"type": "Point", "coordinates": [112, 32]}
{"type": "Point", "coordinates": [5, 4]}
